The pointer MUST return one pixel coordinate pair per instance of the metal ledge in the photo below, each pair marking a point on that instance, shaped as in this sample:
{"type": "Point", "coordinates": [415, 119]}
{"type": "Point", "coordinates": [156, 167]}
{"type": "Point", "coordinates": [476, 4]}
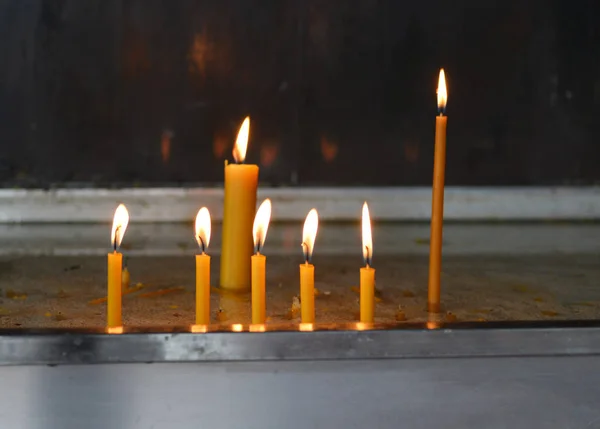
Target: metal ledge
{"type": "Point", "coordinates": [284, 343]}
{"type": "Point", "coordinates": [292, 204]}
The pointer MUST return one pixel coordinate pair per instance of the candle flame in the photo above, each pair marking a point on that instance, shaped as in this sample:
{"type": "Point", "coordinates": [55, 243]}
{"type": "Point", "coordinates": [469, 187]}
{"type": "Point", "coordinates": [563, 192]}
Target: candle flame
{"type": "Point", "coordinates": [202, 228]}
{"type": "Point", "coordinates": [261, 225]}
{"type": "Point", "coordinates": [367, 239]}
{"type": "Point", "coordinates": [442, 93]}
{"type": "Point", "coordinates": [241, 143]}
{"type": "Point", "coordinates": [309, 233]}
{"type": "Point", "coordinates": [120, 221]}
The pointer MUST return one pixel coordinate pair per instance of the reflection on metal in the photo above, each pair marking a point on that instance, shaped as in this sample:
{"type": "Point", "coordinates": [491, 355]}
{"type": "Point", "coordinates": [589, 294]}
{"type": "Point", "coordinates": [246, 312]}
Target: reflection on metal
{"type": "Point", "coordinates": [285, 342]}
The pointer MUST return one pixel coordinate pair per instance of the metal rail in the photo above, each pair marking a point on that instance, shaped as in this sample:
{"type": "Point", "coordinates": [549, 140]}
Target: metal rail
{"type": "Point", "coordinates": [288, 342]}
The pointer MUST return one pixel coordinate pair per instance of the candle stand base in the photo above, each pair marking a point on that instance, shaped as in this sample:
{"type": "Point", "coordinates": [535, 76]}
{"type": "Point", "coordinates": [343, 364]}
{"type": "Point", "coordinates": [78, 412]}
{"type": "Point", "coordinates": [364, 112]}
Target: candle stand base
{"type": "Point", "coordinates": [486, 375]}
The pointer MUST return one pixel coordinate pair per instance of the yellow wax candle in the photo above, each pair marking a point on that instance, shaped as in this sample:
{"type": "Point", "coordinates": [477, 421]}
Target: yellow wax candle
{"type": "Point", "coordinates": [259, 262]}
{"type": "Point", "coordinates": [113, 310]}
{"type": "Point", "coordinates": [437, 204]}
{"type": "Point", "coordinates": [241, 181]}
{"type": "Point", "coordinates": [115, 267]}
{"type": "Point", "coordinates": [202, 230]}
{"type": "Point", "coordinates": [307, 292]}
{"type": "Point", "coordinates": [367, 294]}
{"type": "Point", "coordinates": [367, 274]}
{"type": "Point", "coordinates": [307, 270]}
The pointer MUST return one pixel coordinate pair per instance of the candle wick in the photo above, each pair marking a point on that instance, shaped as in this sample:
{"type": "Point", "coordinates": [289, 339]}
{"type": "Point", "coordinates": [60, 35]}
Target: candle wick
{"type": "Point", "coordinates": [117, 229]}
{"type": "Point", "coordinates": [202, 245]}
{"type": "Point", "coordinates": [305, 252]}
{"type": "Point", "coordinates": [367, 256]}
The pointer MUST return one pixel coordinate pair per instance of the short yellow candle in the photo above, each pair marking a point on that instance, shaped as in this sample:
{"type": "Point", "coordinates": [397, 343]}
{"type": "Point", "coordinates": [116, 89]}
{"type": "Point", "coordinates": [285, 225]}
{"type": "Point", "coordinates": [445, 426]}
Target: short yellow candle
{"type": "Point", "coordinates": [241, 181]}
{"type": "Point", "coordinates": [115, 267]}
{"type": "Point", "coordinates": [202, 233]}
{"type": "Point", "coordinates": [259, 262]}
{"type": "Point", "coordinates": [437, 204]}
{"type": "Point", "coordinates": [307, 270]}
{"type": "Point", "coordinates": [367, 274]}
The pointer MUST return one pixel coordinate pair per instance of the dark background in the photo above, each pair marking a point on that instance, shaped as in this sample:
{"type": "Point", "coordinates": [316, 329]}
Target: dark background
{"type": "Point", "coordinates": [340, 92]}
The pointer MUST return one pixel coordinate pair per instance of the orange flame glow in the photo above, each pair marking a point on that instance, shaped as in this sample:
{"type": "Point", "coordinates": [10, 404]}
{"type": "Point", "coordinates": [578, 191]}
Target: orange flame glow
{"type": "Point", "coordinates": [202, 228]}
{"type": "Point", "coordinates": [309, 233]}
{"type": "Point", "coordinates": [442, 92]}
{"type": "Point", "coordinates": [261, 225]}
{"type": "Point", "coordinates": [367, 239]}
{"type": "Point", "coordinates": [241, 143]}
{"type": "Point", "coordinates": [120, 221]}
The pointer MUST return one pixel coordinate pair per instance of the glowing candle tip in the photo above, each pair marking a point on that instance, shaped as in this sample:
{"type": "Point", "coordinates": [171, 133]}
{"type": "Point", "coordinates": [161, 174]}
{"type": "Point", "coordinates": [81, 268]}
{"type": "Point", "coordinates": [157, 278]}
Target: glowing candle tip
{"type": "Point", "coordinates": [241, 143]}
{"type": "Point", "coordinates": [119, 226]}
{"type": "Point", "coordinates": [202, 228]}
{"type": "Point", "coordinates": [442, 93]}
{"type": "Point", "coordinates": [367, 239]}
{"type": "Point", "coordinates": [309, 233]}
{"type": "Point", "coordinates": [261, 225]}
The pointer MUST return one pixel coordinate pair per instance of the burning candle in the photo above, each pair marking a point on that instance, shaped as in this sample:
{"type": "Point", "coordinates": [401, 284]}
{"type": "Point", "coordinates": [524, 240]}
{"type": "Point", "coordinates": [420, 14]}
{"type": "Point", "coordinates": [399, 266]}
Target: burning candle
{"type": "Point", "coordinates": [259, 262]}
{"type": "Point", "coordinates": [241, 181]}
{"type": "Point", "coordinates": [202, 232]}
{"type": "Point", "coordinates": [307, 270]}
{"type": "Point", "coordinates": [367, 273]}
{"type": "Point", "coordinates": [437, 205]}
{"type": "Point", "coordinates": [115, 267]}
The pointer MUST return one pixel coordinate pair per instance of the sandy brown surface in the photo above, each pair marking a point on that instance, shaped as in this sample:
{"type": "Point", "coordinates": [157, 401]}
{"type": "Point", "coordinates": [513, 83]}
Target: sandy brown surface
{"type": "Point", "coordinates": [65, 291]}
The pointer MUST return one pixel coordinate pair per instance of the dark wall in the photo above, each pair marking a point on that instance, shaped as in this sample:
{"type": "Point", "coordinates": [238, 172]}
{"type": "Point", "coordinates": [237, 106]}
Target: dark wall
{"type": "Point", "coordinates": [340, 92]}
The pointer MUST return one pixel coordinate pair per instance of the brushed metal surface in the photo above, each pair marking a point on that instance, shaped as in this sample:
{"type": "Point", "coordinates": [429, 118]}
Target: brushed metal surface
{"type": "Point", "coordinates": [491, 393]}
{"type": "Point", "coordinates": [325, 342]}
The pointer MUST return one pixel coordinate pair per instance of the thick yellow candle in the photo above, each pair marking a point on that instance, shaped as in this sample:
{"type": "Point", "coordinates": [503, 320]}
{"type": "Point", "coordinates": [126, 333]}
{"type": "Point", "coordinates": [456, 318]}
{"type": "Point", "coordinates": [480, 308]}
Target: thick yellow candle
{"type": "Point", "coordinates": [202, 233]}
{"type": "Point", "coordinates": [367, 274]}
{"type": "Point", "coordinates": [259, 262]}
{"type": "Point", "coordinates": [437, 204]}
{"type": "Point", "coordinates": [307, 270]}
{"type": "Point", "coordinates": [241, 182]}
{"type": "Point", "coordinates": [115, 269]}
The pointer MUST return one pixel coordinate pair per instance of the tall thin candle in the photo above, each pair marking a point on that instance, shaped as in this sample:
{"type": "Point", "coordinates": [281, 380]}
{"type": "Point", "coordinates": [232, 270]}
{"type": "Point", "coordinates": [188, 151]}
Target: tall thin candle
{"type": "Point", "coordinates": [437, 204]}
